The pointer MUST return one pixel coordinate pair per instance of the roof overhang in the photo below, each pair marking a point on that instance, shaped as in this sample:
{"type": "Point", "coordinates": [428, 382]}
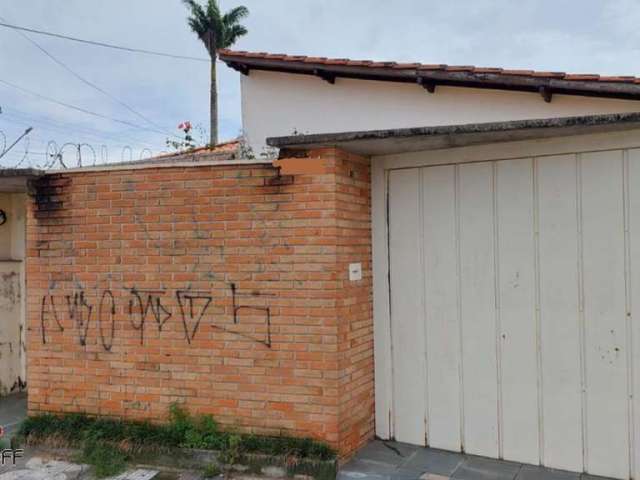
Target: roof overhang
{"type": "Point", "coordinates": [384, 142]}
{"type": "Point", "coordinates": [17, 180]}
{"type": "Point", "coordinates": [431, 76]}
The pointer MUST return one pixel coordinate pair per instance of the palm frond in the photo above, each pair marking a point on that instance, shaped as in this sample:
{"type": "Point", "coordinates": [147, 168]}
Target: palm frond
{"type": "Point", "coordinates": [196, 26]}
{"type": "Point", "coordinates": [213, 10]}
{"type": "Point", "coordinates": [215, 19]}
{"type": "Point", "coordinates": [214, 29]}
{"type": "Point", "coordinates": [198, 20]}
{"type": "Point", "coordinates": [233, 16]}
{"type": "Point", "coordinates": [231, 35]}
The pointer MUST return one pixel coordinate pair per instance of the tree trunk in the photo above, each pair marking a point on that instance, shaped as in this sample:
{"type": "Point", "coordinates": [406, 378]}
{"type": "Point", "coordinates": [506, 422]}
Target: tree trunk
{"type": "Point", "coordinates": [213, 106]}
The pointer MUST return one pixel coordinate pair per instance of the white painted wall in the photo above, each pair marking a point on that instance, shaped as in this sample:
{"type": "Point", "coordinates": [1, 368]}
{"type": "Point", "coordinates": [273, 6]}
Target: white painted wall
{"type": "Point", "coordinates": [276, 104]}
{"type": "Point", "coordinates": [513, 310]}
{"type": "Point", "coordinates": [12, 287]}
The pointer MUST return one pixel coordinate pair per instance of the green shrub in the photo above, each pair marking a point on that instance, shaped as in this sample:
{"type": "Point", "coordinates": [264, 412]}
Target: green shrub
{"type": "Point", "coordinates": [211, 470]}
{"type": "Point", "coordinates": [182, 431]}
{"type": "Point", "coordinates": [231, 453]}
{"type": "Point", "coordinates": [105, 459]}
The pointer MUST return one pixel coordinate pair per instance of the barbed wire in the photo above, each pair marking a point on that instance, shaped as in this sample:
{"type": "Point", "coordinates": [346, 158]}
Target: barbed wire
{"type": "Point", "coordinates": [70, 154]}
{"type": "Point", "coordinates": [24, 138]}
{"type": "Point", "coordinates": [124, 149]}
{"type": "Point", "coordinates": [145, 150]}
{"type": "Point", "coordinates": [26, 145]}
{"type": "Point", "coordinates": [59, 156]}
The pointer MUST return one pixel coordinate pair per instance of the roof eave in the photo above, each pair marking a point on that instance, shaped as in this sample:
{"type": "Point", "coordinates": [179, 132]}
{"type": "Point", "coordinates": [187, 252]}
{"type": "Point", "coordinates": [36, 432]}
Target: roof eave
{"type": "Point", "coordinates": [382, 142]}
{"type": "Point", "coordinates": [496, 81]}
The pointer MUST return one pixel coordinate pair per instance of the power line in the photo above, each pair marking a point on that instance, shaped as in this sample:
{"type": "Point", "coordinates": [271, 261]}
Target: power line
{"type": "Point", "coordinates": [105, 45]}
{"type": "Point", "coordinates": [89, 83]}
{"type": "Point", "coordinates": [79, 109]}
{"type": "Point", "coordinates": [69, 128]}
{"type": "Point", "coordinates": [66, 126]}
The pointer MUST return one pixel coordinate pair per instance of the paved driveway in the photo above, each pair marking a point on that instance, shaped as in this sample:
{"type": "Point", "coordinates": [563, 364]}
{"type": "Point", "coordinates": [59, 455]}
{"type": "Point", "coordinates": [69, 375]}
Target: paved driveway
{"type": "Point", "coordinates": [398, 461]}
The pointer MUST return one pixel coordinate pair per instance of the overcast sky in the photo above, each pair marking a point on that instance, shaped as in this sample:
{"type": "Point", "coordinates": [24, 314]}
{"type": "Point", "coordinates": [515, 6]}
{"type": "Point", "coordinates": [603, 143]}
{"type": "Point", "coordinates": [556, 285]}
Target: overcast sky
{"type": "Point", "coordinates": [582, 36]}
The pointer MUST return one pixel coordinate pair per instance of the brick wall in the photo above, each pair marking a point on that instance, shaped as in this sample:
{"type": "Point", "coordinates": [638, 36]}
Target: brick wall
{"type": "Point", "coordinates": [209, 286]}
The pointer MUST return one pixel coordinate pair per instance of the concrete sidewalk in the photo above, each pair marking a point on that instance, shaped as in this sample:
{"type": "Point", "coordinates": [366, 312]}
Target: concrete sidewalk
{"type": "Point", "coordinates": [398, 461]}
{"type": "Point", "coordinates": [13, 409]}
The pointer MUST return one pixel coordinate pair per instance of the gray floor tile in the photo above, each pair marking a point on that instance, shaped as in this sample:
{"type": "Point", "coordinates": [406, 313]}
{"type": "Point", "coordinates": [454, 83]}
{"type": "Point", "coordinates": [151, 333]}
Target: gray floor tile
{"type": "Point", "coordinates": [434, 461]}
{"type": "Point", "coordinates": [391, 453]}
{"type": "Point", "coordinates": [348, 475]}
{"type": "Point", "coordinates": [368, 467]}
{"type": "Point", "coordinates": [398, 461]}
{"type": "Point", "coordinates": [528, 472]}
{"type": "Point", "coordinates": [402, 474]}
{"type": "Point", "coordinates": [475, 468]}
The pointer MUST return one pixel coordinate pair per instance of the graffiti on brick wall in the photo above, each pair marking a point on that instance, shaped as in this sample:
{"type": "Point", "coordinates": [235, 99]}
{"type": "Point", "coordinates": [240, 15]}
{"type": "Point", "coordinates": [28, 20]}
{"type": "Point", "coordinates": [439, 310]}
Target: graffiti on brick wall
{"type": "Point", "coordinates": [142, 307]}
{"type": "Point", "coordinates": [49, 311]}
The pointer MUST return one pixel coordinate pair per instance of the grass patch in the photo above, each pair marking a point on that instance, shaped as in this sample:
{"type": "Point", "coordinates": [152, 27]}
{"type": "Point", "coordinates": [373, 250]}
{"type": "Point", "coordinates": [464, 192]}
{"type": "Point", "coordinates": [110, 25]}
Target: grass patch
{"type": "Point", "coordinates": [107, 444]}
{"type": "Point", "coordinates": [211, 470]}
{"type": "Point", "coordinates": [106, 460]}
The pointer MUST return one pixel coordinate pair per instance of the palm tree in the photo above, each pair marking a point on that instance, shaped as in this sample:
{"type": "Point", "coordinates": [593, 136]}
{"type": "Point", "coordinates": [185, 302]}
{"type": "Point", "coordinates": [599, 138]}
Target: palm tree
{"type": "Point", "coordinates": [216, 31]}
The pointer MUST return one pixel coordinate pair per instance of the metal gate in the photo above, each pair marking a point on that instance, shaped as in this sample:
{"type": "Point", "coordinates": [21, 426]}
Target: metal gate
{"type": "Point", "coordinates": [514, 294]}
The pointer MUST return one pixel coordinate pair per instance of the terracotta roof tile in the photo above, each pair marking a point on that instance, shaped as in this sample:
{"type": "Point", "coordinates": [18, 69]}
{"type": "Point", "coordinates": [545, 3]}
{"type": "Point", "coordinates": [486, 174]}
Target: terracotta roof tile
{"type": "Point", "coordinates": [487, 70]}
{"type": "Point", "coordinates": [459, 68]}
{"type": "Point", "coordinates": [359, 63]}
{"type": "Point", "coordinates": [424, 66]}
{"type": "Point", "coordinates": [314, 59]}
{"type": "Point", "coordinates": [548, 74]}
{"type": "Point", "coordinates": [522, 73]}
{"type": "Point", "coordinates": [276, 56]}
{"type": "Point", "coordinates": [582, 77]}
{"type": "Point", "coordinates": [229, 55]}
{"type": "Point", "coordinates": [336, 61]}
{"type": "Point", "coordinates": [620, 79]}
{"type": "Point", "coordinates": [406, 65]}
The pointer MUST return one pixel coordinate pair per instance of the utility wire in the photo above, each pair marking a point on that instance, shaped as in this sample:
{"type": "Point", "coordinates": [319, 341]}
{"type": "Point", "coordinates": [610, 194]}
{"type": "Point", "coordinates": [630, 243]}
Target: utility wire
{"type": "Point", "coordinates": [70, 128]}
{"type": "Point", "coordinates": [79, 109]}
{"type": "Point", "coordinates": [89, 83]}
{"type": "Point", "coordinates": [102, 44]}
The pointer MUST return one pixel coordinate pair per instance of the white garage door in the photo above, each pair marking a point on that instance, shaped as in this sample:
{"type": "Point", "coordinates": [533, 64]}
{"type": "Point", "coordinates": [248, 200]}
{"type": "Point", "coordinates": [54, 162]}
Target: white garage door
{"type": "Point", "coordinates": [514, 290]}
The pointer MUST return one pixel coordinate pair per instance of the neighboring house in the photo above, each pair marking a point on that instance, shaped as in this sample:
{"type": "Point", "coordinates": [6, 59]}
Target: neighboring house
{"type": "Point", "coordinates": [12, 301]}
{"type": "Point", "coordinates": [446, 256]}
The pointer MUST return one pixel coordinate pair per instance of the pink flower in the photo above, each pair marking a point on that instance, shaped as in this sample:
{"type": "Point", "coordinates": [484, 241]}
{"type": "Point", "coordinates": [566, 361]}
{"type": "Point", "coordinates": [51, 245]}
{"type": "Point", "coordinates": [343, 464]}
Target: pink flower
{"type": "Point", "coordinates": [186, 126]}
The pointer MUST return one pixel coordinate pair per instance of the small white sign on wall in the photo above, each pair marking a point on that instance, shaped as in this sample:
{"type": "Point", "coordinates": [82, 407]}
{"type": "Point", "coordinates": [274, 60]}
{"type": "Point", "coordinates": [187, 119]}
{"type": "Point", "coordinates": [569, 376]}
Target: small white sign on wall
{"type": "Point", "coordinates": [355, 272]}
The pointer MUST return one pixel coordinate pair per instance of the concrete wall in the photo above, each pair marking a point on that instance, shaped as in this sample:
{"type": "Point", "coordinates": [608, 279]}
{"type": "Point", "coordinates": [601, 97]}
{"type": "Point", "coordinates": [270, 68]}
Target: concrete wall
{"type": "Point", "coordinates": [276, 104]}
{"type": "Point", "coordinates": [12, 299]}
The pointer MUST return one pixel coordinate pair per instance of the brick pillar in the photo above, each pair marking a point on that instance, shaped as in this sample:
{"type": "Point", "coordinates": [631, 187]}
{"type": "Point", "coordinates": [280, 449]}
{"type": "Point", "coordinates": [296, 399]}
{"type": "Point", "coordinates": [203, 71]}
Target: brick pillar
{"type": "Point", "coordinates": [354, 300]}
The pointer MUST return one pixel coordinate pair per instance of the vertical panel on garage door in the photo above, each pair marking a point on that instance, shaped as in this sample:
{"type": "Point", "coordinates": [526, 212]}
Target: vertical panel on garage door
{"type": "Point", "coordinates": [633, 321]}
{"type": "Point", "coordinates": [517, 308]}
{"type": "Point", "coordinates": [607, 447]}
{"type": "Point", "coordinates": [441, 301]}
{"type": "Point", "coordinates": [559, 319]}
{"type": "Point", "coordinates": [478, 312]}
{"type": "Point", "coordinates": [407, 308]}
